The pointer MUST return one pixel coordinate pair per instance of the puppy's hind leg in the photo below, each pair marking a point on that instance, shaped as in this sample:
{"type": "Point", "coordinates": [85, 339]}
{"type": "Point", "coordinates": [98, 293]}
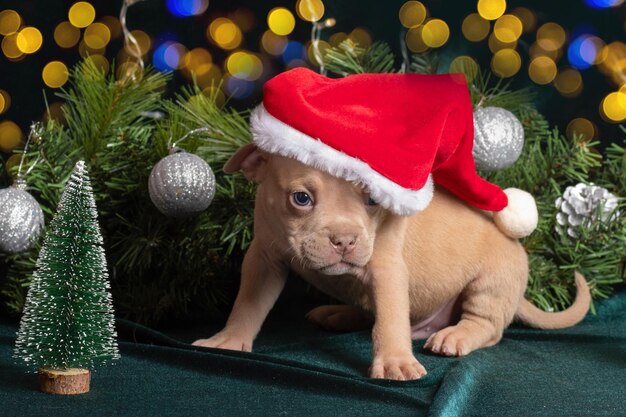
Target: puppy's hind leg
{"type": "Point", "coordinates": [488, 306]}
{"type": "Point", "coordinates": [340, 318]}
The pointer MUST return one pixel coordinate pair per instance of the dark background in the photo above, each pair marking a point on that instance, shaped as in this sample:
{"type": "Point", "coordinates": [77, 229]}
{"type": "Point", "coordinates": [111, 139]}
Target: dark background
{"type": "Point", "coordinates": [23, 81]}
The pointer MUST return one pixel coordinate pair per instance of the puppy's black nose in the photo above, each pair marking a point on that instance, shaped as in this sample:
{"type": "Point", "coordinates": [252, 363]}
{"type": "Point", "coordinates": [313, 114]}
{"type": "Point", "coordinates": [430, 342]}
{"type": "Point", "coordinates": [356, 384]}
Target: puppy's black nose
{"type": "Point", "coordinates": [343, 243]}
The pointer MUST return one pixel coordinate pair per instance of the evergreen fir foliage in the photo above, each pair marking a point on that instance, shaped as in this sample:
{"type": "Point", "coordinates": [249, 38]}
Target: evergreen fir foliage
{"type": "Point", "coordinates": [164, 268]}
{"type": "Point", "coordinates": [68, 317]}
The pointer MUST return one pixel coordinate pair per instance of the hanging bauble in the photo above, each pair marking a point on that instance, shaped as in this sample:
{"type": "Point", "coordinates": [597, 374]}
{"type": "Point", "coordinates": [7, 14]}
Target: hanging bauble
{"type": "Point", "coordinates": [181, 184]}
{"type": "Point", "coordinates": [498, 138]}
{"type": "Point", "coordinates": [21, 218]}
{"type": "Point", "coordinates": [584, 205]}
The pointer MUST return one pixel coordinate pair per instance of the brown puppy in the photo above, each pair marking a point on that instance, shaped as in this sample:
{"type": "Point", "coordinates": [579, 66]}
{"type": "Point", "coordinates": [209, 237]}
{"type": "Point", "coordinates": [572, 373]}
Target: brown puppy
{"type": "Point", "coordinates": [446, 271]}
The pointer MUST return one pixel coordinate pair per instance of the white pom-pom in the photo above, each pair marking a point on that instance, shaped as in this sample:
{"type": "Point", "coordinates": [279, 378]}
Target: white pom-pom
{"type": "Point", "coordinates": [519, 218]}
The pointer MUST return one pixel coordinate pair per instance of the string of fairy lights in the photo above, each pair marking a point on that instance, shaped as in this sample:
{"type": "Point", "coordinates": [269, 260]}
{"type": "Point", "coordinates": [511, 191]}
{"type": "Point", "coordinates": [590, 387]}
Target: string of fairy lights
{"type": "Point", "coordinates": [552, 55]}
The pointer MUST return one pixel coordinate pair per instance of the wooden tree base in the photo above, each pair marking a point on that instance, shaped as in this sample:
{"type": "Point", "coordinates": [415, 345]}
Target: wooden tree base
{"type": "Point", "coordinates": [64, 381]}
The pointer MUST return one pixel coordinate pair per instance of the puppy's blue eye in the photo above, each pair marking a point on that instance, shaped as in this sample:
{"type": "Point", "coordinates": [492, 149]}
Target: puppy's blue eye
{"type": "Point", "coordinates": [301, 199]}
{"type": "Point", "coordinates": [371, 202]}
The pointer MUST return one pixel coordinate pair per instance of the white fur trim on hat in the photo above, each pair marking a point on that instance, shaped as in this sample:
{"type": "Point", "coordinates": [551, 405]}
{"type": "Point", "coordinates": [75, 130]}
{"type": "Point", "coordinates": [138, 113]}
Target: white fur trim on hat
{"type": "Point", "coordinates": [519, 218]}
{"type": "Point", "coordinates": [274, 136]}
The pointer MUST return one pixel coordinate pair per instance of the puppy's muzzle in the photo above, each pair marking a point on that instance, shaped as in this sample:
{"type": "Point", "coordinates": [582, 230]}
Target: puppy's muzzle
{"type": "Point", "coordinates": [343, 243]}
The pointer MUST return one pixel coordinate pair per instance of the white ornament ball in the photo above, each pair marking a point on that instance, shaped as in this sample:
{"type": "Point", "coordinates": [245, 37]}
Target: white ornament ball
{"type": "Point", "coordinates": [21, 219]}
{"type": "Point", "coordinates": [498, 138]}
{"type": "Point", "coordinates": [181, 185]}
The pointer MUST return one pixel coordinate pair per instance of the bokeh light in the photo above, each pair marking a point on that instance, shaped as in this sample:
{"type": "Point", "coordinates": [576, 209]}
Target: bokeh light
{"type": "Point", "coordinates": [168, 56]}
{"type": "Point", "coordinates": [466, 65]}
{"type": "Point", "coordinates": [5, 101]}
{"type": "Point", "coordinates": [551, 36]}
{"type": "Point", "coordinates": [602, 4]}
{"type": "Point", "coordinates": [281, 21]}
{"type": "Point", "coordinates": [569, 82]}
{"type": "Point", "coordinates": [612, 62]}
{"type": "Point", "coordinates": [55, 74]}
{"type": "Point", "coordinates": [435, 33]}
{"type": "Point", "coordinates": [113, 23]}
{"type": "Point", "coordinates": [84, 50]}
{"type": "Point", "coordinates": [322, 46]}
{"type": "Point", "coordinates": [143, 40]}
{"type": "Point", "coordinates": [196, 62]}
{"type": "Point", "coordinates": [12, 163]}
{"type": "Point", "coordinates": [491, 9]}
{"type": "Point", "coordinates": [129, 70]}
{"type": "Point", "coordinates": [580, 127]}
{"type": "Point", "coordinates": [100, 62]}
{"type": "Point", "coordinates": [294, 51]}
{"type": "Point", "coordinates": [508, 28]}
{"type": "Point", "coordinates": [613, 107]}
{"type": "Point", "coordinates": [475, 28]}
{"type": "Point", "coordinates": [29, 40]}
{"type": "Point", "coordinates": [66, 35]}
{"type": "Point", "coordinates": [415, 41]}
{"type": "Point", "coordinates": [10, 21]}
{"type": "Point", "coordinates": [272, 43]}
{"type": "Point", "coordinates": [412, 14]}
{"type": "Point", "coordinates": [361, 37]}
{"type": "Point", "coordinates": [243, 18]}
{"type": "Point", "coordinates": [216, 95]}
{"type": "Point", "coordinates": [224, 33]}
{"type": "Point", "coordinates": [81, 14]}
{"type": "Point", "coordinates": [542, 70]}
{"type": "Point", "coordinates": [506, 63]}
{"type": "Point", "coordinates": [496, 45]}
{"type": "Point", "coordinates": [527, 17]}
{"type": "Point", "coordinates": [54, 112]}
{"type": "Point", "coordinates": [97, 35]}
{"type": "Point", "coordinates": [9, 47]}
{"type": "Point", "coordinates": [239, 88]}
{"type": "Point", "coordinates": [536, 50]}
{"type": "Point", "coordinates": [244, 65]}
{"type": "Point", "coordinates": [186, 8]}
{"type": "Point", "coordinates": [337, 37]}
{"type": "Point", "coordinates": [10, 135]}
{"type": "Point", "coordinates": [310, 10]}
{"type": "Point", "coordinates": [584, 51]}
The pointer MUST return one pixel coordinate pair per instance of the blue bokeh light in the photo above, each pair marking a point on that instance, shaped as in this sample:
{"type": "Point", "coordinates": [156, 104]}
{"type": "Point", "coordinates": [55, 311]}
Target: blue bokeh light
{"type": "Point", "coordinates": [186, 8]}
{"type": "Point", "coordinates": [239, 88]}
{"type": "Point", "coordinates": [294, 50]}
{"type": "Point", "coordinates": [166, 56]}
{"type": "Point", "coordinates": [602, 4]}
{"type": "Point", "coordinates": [582, 51]}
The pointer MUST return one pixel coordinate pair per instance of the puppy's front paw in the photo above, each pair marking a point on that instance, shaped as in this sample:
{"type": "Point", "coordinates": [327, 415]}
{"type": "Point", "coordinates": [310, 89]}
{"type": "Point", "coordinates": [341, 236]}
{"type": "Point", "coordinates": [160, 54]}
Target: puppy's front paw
{"type": "Point", "coordinates": [226, 340]}
{"type": "Point", "coordinates": [403, 367]}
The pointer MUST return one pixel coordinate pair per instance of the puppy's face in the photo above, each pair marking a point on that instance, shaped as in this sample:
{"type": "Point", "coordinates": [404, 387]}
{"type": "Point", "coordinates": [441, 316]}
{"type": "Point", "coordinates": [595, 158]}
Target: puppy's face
{"type": "Point", "coordinates": [321, 223]}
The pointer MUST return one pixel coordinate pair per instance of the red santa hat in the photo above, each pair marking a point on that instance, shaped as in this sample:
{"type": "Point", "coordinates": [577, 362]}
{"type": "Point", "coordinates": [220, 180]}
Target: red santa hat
{"type": "Point", "coordinates": [391, 133]}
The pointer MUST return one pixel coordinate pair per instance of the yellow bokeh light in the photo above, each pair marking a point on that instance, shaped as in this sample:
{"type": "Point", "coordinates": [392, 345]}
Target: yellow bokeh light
{"type": "Point", "coordinates": [528, 18]}
{"type": "Point", "coordinates": [10, 21]}
{"type": "Point", "coordinates": [84, 50]}
{"type": "Point", "coordinates": [272, 43]}
{"type": "Point", "coordinates": [6, 101]}
{"type": "Point", "coordinates": [66, 35]}
{"type": "Point", "coordinates": [12, 163]}
{"type": "Point", "coordinates": [412, 14]}
{"type": "Point", "coordinates": [310, 10]}
{"type": "Point", "coordinates": [491, 9]}
{"type": "Point", "coordinates": [129, 71]}
{"type": "Point", "coordinates": [197, 60]}
{"type": "Point", "coordinates": [569, 82]}
{"type": "Point", "coordinates": [580, 127]}
{"type": "Point", "coordinates": [475, 28]}
{"type": "Point", "coordinates": [212, 75]}
{"type": "Point", "coordinates": [281, 21]}
{"type": "Point", "coordinates": [322, 46]}
{"type": "Point", "coordinates": [9, 47]}
{"type": "Point", "coordinates": [55, 74]}
{"type": "Point", "coordinates": [10, 135]}
{"type": "Point", "coordinates": [496, 45]}
{"type": "Point", "coordinates": [225, 33]}
{"type": "Point", "coordinates": [143, 40]}
{"type": "Point", "coordinates": [466, 65]}
{"type": "Point", "coordinates": [551, 36]}
{"type": "Point", "coordinates": [414, 40]}
{"type": "Point", "coordinates": [613, 107]}
{"type": "Point", "coordinates": [337, 37]}
{"type": "Point", "coordinates": [244, 65]}
{"type": "Point", "coordinates": [508, 28]}
{"type": "Point", "coordinates": [29, 40]}
{"type": "Point", "coordinates": [435, 33]}
{"type": "Point", "coordinates": [361, 37]}
{"type": "Point", "coordinates": [542, 70]}
{"type": "Point", "coordinates": [54, 112]}
{"type": "Point", "coordinates": [97, 35]}
{"type": "Point", "coordinates": [216, 95]}
{"type": "Point", "coordinates": [100, 62]}
{"type": "Point", "coordinates": [81, 14]}
{"type": "Point", "coordinates": [536, 50]}
{"type": "Point", "coordinates": [506, 63]}
{"type": "Point", "coordinates": [113, 23]}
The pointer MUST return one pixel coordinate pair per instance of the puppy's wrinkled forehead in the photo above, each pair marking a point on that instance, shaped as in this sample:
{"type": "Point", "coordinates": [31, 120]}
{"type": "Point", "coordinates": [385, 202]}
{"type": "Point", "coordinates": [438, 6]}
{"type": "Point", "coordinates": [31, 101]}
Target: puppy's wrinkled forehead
{"type": "Point", "coordinates": [290, 173]}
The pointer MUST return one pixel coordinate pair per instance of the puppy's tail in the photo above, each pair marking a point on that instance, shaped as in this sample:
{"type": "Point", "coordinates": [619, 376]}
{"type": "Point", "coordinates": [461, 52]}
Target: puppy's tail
{"type": "Point", "coordinates": [532, 316]}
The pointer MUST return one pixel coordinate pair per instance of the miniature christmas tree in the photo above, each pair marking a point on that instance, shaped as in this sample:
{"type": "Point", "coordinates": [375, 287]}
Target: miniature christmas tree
{"type": "Point", "coordinates": [68, 322]}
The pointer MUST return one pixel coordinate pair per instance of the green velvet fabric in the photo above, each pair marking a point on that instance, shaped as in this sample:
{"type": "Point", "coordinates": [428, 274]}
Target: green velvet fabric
{"type": "Point", "coordinates": [298, 370]}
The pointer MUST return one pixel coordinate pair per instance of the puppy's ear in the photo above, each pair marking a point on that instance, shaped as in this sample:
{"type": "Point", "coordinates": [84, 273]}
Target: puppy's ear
{"type": "Point", "coordinates": [250, 160]}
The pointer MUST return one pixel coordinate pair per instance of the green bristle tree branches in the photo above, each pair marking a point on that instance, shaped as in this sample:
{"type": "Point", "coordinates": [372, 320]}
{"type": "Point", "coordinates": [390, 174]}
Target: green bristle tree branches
{"type": "Point", "coordinates": [168, 268]}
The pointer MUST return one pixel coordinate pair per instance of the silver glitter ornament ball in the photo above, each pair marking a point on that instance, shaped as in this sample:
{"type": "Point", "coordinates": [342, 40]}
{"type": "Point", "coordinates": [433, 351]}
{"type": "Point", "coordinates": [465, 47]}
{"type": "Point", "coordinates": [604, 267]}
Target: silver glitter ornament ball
{"type": "Point", "coordinates": [181, 184]}
{"type": "Point", "coordinates": [498, 138]}
{"type": "Point", "coordinates": [21, 219]}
